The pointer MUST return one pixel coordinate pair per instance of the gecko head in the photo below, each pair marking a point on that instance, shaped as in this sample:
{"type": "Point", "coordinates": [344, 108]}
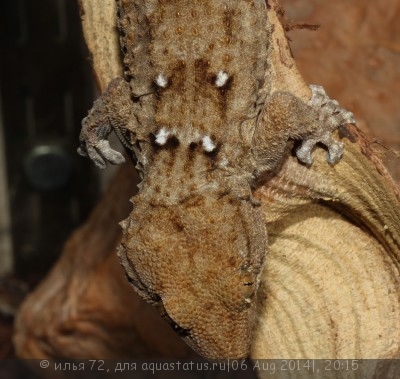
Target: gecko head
{"type": "Point", "coordinates": [200, 266]}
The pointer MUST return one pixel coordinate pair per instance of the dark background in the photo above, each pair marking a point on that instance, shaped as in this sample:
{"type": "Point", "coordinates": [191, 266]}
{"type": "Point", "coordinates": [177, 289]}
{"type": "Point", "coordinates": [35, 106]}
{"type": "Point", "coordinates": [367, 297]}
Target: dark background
{"type": "Point", "coordinates": [46, 88]}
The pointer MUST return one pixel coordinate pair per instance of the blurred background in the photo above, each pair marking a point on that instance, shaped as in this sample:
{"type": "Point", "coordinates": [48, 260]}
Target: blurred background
{"type": "Point", "coordinates": [46, 189]}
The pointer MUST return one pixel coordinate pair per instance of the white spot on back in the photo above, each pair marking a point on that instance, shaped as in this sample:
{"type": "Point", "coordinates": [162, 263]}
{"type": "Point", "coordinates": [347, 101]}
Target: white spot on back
{"type": "Point", "coordinates": [161, 81]}
{"type": "Point", "coordinates": [161, 136]}
{"type": "Point", "coordinates": [208, 144]}
{"type": "Point", "coordinates": [222, 78]}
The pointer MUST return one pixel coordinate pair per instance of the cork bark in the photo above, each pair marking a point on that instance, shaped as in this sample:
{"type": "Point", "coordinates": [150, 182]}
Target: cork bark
{"type": "Point", "coordinates": [331, 286]}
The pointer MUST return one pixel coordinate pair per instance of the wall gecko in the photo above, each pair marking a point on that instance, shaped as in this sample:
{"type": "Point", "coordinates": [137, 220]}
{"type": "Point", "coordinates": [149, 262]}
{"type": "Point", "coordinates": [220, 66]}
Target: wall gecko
{"type": "Point", "coordinates": [196, 112]}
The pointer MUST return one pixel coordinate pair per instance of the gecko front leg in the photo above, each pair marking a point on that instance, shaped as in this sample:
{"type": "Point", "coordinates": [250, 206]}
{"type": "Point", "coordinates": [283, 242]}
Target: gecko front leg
{"type": "Point", "coordinates": [113, 110]}
{"type": "Point", "coordinates": [287, 117]}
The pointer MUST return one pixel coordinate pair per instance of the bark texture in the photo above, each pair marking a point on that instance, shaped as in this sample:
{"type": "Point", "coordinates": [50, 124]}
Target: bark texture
{"type": "Point", "coordinates": [331, 283]}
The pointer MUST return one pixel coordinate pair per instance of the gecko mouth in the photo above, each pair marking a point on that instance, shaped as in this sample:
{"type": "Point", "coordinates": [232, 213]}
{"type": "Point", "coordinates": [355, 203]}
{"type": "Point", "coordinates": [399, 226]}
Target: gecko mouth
{"type": "Point", "coordinates": [182, 332]}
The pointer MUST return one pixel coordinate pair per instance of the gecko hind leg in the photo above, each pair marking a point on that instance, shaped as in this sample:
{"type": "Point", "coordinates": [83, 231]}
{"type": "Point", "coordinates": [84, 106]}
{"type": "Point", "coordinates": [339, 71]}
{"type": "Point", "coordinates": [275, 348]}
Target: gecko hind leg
{"type": "Point", "coordinates": [287, 117]}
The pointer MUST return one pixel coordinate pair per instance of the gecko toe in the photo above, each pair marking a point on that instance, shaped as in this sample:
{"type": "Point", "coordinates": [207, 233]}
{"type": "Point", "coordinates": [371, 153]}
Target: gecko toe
{"type": "Point", "coordinates": [335, 152]}
{"type": "Point", "coordinates": [101, 153]}
{"type": "Point", "coordinates": [111, 155]}
{"type": "Point", "coordinates": [96, 157]}
{"type": "Point", "coordinates": [304, 156]}
{"type": "Point", "coordinates": [82, 151]}
{"type": "Point", "coordinates": [330, 116]}
{"type": "Point", "coordinates": [303, 153]}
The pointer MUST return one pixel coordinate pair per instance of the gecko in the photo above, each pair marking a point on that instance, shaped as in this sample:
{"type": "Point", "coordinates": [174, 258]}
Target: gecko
{"type": "Point", "coordinates": [195, 111]}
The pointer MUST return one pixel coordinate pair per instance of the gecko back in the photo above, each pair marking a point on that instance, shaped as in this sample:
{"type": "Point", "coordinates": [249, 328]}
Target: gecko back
{"type": "Point", "coordinates": [195, 243]}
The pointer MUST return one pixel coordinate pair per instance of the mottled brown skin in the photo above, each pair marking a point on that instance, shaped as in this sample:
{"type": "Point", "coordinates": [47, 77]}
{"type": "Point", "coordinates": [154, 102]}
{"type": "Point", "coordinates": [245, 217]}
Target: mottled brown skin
{"type": "Point", "coordinates": [212, 262]}
{"type": "Point", "coordinates": [195, 108]}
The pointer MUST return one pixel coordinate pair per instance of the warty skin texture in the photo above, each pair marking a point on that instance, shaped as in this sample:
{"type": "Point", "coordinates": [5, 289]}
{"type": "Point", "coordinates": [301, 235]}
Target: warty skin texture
{"type": "Point", "coordinates": [194, 94]}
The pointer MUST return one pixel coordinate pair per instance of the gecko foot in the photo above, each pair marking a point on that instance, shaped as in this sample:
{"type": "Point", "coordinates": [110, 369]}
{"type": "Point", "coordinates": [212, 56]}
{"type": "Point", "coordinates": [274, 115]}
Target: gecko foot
{"type": "Point", "coordinates": [95, 145]}
{"type": "Point", "coordinates": [335, 149]}
{"type": "Point", "coordinates": [329, 116]}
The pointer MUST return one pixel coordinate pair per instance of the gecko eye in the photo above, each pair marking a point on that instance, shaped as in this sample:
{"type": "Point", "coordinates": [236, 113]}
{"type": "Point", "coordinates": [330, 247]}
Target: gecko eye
{"type": "Point", "coordinates": [248, 286]}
